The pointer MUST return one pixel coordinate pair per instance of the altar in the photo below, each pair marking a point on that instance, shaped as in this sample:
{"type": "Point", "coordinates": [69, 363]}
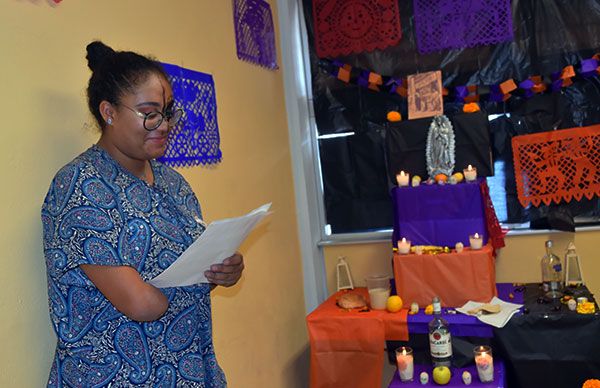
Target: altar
{"type": "Point", "coordinates": [542, 345]}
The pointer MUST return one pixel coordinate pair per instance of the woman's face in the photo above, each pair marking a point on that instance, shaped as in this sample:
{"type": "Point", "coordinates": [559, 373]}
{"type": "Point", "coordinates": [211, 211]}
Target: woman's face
{"type": "Point", "coordinates": [127, 133]}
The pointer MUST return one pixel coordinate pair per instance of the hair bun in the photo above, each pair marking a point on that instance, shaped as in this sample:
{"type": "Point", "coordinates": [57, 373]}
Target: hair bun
{"type": "Point", "coordinates": [98, 53]}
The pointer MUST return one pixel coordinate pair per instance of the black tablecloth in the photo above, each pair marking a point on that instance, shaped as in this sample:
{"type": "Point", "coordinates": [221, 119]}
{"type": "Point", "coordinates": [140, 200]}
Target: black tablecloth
{"type": "Point", "coordinates": [544, 345]}
{"type": "Point", "coordinates": [548, 345]}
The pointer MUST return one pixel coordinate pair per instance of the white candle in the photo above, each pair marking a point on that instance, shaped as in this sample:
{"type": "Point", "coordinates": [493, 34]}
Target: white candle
{"type": "Point", "coordinates": [403, 246]}
{"type": "Point", "coordinates": [470, 173]}
{"type": "Point", "coordinates": [485, 365]}
{"type": "Point", "coordinates": [405, 362]}
{"type": "Point", "coordinates": [402, 179]}
{"type": "Point", "coordinates": [475, 241]}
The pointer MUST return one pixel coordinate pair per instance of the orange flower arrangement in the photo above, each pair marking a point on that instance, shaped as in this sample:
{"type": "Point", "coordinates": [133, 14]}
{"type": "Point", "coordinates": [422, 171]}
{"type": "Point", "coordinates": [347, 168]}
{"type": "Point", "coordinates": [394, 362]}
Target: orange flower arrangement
{"type": "Point", "coordinates": [394, 116]}
{"type": "Point", "coordinates": [471, 107]}
{"type": "Point", "coordinates": [591, 383]}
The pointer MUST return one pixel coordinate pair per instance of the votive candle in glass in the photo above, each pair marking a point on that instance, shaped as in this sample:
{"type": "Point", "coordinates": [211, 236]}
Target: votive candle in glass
{"type": "Point", "coordinates": [476, 241]}
{"type": "Point", "coordinates": [485, 363]}
{"type": "Point", "coordinates": [405, 362]}
{"type": "Point", "coordinates": [404, 246]}
{"type": "Point", "coordinates": [402, 179]}
{"type": "Point", "coordinates": [470, 173]}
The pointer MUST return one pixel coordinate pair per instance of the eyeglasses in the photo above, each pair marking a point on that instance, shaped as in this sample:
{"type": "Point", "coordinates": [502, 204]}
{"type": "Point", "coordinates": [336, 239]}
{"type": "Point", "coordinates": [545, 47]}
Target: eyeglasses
{"type": "Point", "coordinates": [154, 119]}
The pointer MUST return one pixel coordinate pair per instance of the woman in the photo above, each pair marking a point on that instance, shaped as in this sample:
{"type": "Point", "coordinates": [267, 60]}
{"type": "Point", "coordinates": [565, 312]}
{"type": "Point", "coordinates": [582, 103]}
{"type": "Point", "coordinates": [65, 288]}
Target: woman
{"type": "Point", "coordinates": [114, 218]}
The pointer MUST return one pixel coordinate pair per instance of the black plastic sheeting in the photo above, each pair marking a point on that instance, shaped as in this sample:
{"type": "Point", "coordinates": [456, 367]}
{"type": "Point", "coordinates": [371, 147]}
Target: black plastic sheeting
{"type": "Point", "coordinates": [548, 35]}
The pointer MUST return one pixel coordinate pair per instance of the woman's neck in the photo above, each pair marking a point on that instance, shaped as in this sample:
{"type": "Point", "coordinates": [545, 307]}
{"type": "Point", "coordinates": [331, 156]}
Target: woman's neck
{"type": "Point", "coordinates": [139, 167]}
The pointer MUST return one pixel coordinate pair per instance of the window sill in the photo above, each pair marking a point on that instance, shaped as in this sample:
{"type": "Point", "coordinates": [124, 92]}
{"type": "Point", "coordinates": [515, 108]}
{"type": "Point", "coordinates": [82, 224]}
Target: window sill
{"type": "Point", "coordinates": [384, 236]}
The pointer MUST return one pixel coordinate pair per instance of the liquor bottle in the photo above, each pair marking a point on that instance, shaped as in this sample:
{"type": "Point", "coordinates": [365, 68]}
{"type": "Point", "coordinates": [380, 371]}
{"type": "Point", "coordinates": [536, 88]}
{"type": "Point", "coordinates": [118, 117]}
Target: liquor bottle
{"type": "Point", "coordinates": [440, 341]}
{"type": "Point", "coordinates": [551, 273]}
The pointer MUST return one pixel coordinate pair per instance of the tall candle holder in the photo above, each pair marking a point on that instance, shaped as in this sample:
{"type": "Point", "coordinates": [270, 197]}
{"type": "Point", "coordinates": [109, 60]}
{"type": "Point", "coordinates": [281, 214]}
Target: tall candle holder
{"type": "Point", "coordinates": [405, 362]}
{"type": "Point", "coordinates": [484, 362]}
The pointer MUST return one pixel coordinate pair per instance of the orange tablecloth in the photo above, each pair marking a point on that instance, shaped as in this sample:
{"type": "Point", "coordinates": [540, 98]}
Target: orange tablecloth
{"type": "Point", "coordinates": [455, 277]}
{"type": "Point", "coordinates": [347, 347]}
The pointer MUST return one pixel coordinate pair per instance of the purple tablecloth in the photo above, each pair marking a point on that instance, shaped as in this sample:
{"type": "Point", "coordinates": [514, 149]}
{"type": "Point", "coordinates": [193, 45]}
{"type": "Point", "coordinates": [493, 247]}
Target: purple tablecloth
{"type": "Point", "coordinates": [438, 214]}
{"type": "Point", "coordinates": [460, 324]}
{"type": "Point", "coordinates": [455, 380]}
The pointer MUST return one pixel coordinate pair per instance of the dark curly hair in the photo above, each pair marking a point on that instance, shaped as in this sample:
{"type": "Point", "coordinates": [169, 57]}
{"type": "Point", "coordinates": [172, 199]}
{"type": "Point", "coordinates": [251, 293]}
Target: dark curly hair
{"type": "Point", "coordinates": [115, 73]}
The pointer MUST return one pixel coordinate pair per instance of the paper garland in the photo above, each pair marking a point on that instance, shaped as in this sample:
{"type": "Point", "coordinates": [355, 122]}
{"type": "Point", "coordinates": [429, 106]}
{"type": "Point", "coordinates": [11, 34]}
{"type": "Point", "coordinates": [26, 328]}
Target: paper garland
{"type": "Point", "coordinates": [466, 93]}
{"type": "Point", "coordinates": [195, 140]}
{"type": "Point", "coordinates": [254, 33]}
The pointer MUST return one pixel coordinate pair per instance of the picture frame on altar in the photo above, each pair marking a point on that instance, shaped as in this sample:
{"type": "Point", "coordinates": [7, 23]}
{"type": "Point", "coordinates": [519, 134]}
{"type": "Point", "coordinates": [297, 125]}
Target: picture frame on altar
{"type": "Point", "coordinates": [425, 95]}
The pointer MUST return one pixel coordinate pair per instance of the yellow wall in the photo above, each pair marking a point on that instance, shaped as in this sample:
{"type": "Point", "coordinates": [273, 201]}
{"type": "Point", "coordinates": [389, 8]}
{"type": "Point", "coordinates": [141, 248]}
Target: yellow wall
{"type": "Point", "coordinates": [519, 261]}
{"type": "Point", "coordinates": [259, 329]}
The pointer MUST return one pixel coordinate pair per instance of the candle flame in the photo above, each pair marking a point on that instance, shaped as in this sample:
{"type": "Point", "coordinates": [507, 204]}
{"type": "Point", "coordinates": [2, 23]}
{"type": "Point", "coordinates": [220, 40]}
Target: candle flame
{"type": "Point", "coordinates": [476, 235]}
{"type": "Point", "coordinates": [403, 239]}
{"type": "Point", "coordinates": [470, 168]}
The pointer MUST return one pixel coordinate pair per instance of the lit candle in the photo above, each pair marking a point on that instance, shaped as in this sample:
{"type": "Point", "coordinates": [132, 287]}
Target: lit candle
{"type": "Point", "coordinates": [402, 179]}
{"type": "Point", "coordinates": [485, 363]}
{"type": "Point", "coordinates": [470, 173]}
{"type": "Point", "coordinates": [405, 362]}
{"type": "Point", "coordinates": [475, 241]}
{"type": "Point", "coordinates": [403, 246]}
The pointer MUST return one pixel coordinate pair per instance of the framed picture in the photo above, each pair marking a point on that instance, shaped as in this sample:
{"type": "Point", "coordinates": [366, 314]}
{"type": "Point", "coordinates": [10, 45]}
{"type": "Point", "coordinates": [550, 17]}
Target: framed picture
{"type": "Point", "coordinates": [425, 95]}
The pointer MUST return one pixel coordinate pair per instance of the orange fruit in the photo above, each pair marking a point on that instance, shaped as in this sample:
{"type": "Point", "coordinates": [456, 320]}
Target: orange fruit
{"type": "Point", "coordinates": [441, 177]}
{"type": "Point", "coordinates": [394, 304]}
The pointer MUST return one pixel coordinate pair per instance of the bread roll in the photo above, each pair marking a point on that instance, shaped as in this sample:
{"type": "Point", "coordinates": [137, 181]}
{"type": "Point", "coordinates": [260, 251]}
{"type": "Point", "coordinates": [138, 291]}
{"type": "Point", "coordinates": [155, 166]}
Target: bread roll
{"type": "Point", "coordinates": [352, 300]}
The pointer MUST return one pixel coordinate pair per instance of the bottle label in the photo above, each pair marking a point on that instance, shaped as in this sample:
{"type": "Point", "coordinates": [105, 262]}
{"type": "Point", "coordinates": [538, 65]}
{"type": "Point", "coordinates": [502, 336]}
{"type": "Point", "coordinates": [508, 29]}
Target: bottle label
{"type": "Point", "coordinates": [440, 344]}
{"type": "Point", "coordinates": [557, 267]}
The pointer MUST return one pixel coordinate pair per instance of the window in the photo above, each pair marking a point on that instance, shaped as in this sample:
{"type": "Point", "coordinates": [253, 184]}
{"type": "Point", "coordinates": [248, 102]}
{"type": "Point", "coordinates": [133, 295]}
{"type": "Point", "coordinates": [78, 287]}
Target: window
{"type": "Point", "coordinates": [350, 128]}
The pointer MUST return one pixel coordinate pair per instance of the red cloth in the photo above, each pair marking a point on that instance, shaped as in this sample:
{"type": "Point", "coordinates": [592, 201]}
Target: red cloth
{"type": "Point", "coordinates": [495, 232]}
{"type": "Point", "coordinates": [557, 166]}
{"type": "Point", "coordinates": [347, 346]}
{"type": "Point", "coordinates": [343, 27]}
{"type": "Point", "coordinates": [454, 277]}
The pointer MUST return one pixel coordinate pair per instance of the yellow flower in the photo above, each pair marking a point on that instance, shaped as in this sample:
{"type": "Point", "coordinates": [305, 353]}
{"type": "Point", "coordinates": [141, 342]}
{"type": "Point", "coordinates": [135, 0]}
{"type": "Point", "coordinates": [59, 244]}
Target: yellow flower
{"type": "Point", "coordinates": [586, 308]}
{"type": "Point", "coordinates": [429, 310]}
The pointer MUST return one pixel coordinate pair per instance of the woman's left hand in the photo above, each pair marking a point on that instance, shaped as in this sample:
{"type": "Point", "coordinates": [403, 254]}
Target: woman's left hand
{"type": "Point", "coordinates": [228, 272]}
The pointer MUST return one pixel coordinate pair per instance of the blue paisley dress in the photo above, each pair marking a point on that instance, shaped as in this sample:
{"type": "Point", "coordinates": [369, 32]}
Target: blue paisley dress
{"type": "Point", "coordinates": [96, 212]}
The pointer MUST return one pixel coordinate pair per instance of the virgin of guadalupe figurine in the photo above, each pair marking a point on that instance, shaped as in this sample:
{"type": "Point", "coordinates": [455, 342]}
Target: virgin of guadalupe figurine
{"type": "Point", "coordinates": [440, 147]}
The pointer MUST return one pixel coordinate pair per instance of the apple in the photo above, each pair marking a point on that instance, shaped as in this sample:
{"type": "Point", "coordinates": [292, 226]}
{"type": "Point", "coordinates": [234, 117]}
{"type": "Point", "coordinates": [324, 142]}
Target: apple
{"type": "Point", "coordinates": [441, 375]}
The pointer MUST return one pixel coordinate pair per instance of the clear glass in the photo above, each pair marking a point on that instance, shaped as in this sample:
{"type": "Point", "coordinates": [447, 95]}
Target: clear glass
{"type": "Point", "coordinates": [405, 363]}
{"type": "Point", "coordinates": [484, 363]}
{"type": "Point", "coordinates": [379, 291]}
{"type": "Point", "coordinates": [552, 273]}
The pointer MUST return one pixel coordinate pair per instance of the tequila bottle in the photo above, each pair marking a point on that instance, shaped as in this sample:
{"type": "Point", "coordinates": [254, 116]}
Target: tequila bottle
{"type": "Point", "coordinates": [551, 273]}
{"type": "Point", "coordinates": [440, 341]}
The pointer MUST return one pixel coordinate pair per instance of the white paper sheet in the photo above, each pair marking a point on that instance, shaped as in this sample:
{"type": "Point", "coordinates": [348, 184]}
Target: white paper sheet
{"type": "Point", "coordinates": [220, 240]}
{"type": "Point", "coordinates": [497, 320]}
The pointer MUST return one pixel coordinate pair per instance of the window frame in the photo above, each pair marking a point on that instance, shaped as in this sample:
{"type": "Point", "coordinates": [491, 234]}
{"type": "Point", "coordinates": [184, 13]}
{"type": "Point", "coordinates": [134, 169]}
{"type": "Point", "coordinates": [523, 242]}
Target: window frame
{"type": "Point", "coordinates": [306, 167]}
